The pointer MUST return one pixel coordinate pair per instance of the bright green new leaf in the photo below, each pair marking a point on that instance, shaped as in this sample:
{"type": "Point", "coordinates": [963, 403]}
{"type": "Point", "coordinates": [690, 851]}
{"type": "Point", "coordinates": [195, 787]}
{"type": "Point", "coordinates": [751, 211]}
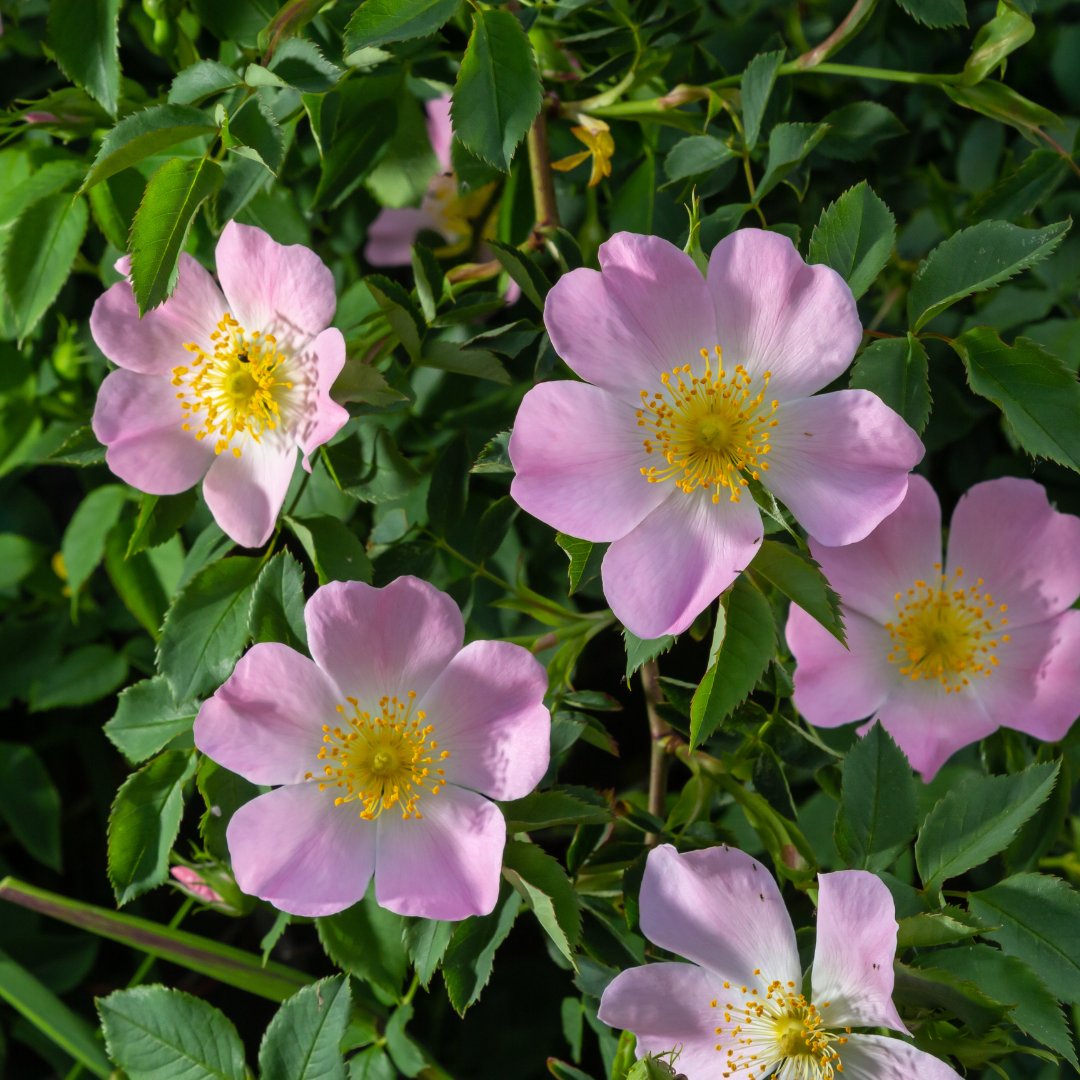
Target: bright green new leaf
{"type": "Point", "coordinates": [855, 236]}
{"type": "Point", "coordinates": [1006, 32]}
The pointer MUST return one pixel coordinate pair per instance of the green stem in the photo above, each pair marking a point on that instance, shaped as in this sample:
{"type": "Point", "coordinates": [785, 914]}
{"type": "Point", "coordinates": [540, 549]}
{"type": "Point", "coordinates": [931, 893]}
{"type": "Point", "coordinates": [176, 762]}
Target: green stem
{"type": "Point", "coordinates": [543, 187]}
{"type": "Point", "coordinates": [148, 961]}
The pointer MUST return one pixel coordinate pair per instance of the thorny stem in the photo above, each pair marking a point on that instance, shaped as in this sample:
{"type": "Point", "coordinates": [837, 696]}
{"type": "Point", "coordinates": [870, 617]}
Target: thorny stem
{"type": "Point", "coordinates": [658, 753]}
{"type": "Point", "coordinates": [543, 187]}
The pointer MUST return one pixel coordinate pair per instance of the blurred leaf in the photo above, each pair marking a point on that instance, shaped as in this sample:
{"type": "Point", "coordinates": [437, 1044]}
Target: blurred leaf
{"type": "Point", "coordinates": [976, 820]}
{"type": "Point", "coordinates": [493, 526]}
{"type": "Point", "coordinates": [757, 85]}
{"type": "Point", "coordinates": [381, 22]}
{"type": "Point", "coordinates": [362, 133]}
{"type": "Point", "coordinates": [897, 370]}
{"type": "Point", "coordinates": [974, 260]}
{"type": "Point", "coordinates": [139, 581]}
{"type": "Point", "coordinates": [404, 1053]}
{"type": "Point", "coordinates": [800, 579]}
{"type": "Point", "coordinates": [449, 489]}
{"type": "Point", "coordinates": [543, 882]}
{"type": "Point", "coordinates": [334, 549]}
{"type": "Point", "coordinates": [523, 271]}
{"type": "Point", "coordinates": [497, 94]}
{"type": "Point", "coordinates": [30, 803]}
{"type": "Point", "coordinates": [147, 719]}
{"type": "Point", "coordinates": [930, 928]}
{"type": "Point", "coordinates": [302, 1040]}
{"type": "Point", "coordinates": [476, 363]}
{"type": "Point", "coordinates": [855, 236]}
{"type": "Point", "coordinates": [937, 14]}
{"type": "Point", "coordinates": [86, 674]}
{"type": "Point", "coordinates": [1020, 191]}
{"type": "Point", "coordinates": [855, 129]}
{"type": "Point", "coordinates": [372, 1064]}
{"type": "Point", "coordinates": [1005, 105]}
{"type": "Point", "coordinates": [366, 941]}
{"type": "Point", "coordinates": [400, 311]}
{"type": "Point", "coordinates": [469, 958]}
{"type": "Point", "coordinates": [83, 38]}
{"type": "Point", "coordinates": [277, 604]}
{"type": "Point", "coordinates": [83, 546]}
{"type": "Point", "coordinates": [19, 555]}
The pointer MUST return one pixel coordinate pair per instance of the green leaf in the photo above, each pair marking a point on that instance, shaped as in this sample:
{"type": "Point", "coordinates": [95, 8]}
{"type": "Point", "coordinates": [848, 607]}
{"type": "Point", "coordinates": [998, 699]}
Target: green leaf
{"type": "Point", "coordinates": [497, 94]}
{"type": "Point", "coordinates": [372, 1064]}
{"type": "Point", "coordinates": [557, 806]}
{"type": "Point", "coordinates": [144, 133]}
{"type": "Point", "coordinates": [1009, 980]}
{"type": "Point", "coordinates": [400, 311]}
{"type": "Point", "coordinates": [974, 260]}
{"type": "Point", "coordinates": [1006, 32]}
{"type": "Point", "coordinates": [937, 14]}
{"type": "Point", "coordinates": [448, 492]}
{"type": "Point", "coordinates": [1003, 104]}
{"type": "Point", "coordinates": [30, 803]}
{"type": "Point", "coordinates": [277, 604]}
{"type": "Point", "coordinates": [757, 85]}
{"type": "Point", "coordinates": [1037, 393]}
{"type": "Point", "coordinates": [743, 656]}
{"type": "Point", "coordinates": [471, 954]}
{"type": "Point", "coordinates": [929, 928]}
{"type": "Point", "coordinates": [173, 195]}
{"type": "Point", "coordinates": [302, 1040]}
{"type": "Point", "coordinates": [1036, 918]}
{"type": "Point", "coordinates": [640, 651]}
{"type": "Point", "coordinates": [1019, 192]}
{"type": "Point", "coordinates": [145, 581]}
{"type": "Point", "coordinates": [855, 129]}
{"type": "Point", "coordinates": [152, 1032]}
{"type": "Point", "coordinates": [366, 941]}
{"type": "Point", "coordinates": [696, 155]}
{"type": "Point", "coordinates": [144, 821]}
{"type": "Point", "coordinates": [976, 820]}
{"type": "Point", "coordinates": [334, 549]}
{"type": "Point", "coordinates": [86, 674]}
{"type": "Point", "coordinates": [878, 808]}
{"type": "Point", "coordinates": [83, 38]}
{"type": "Point", "coordinates": [476, 363]}
{"type": "Point", "coordinates": [353, 152]}
{"type": "Point", "coordinates": [431, 285]}
{"type": "Point", "coordinates": [223, 793]}
{"type": "Point", "coordinates": [160, 516]}
{"type": "Point", "coordinates": [523, 271]}
{"type": "Point", "coordinates": [381, 22]}
{"type": "Point", "coordinates": [42, 1008]}
{"type": "Point", "coordinates": [147, 719]}
{"type": "Point", "coordinates": [800, 579]}
{"type": "Point", "coordinates": [299, 63]}
{"type": "Point", "coordinates": [19, 556]}
{"type": "Point", "coordinates": [789, 144]}
{"type": "Point", "coordinates": [855, 236]}
{"type": "Point", "coordinates": [206, 628]}
{"type": "Point", "coordinates": [898, 371]}
{"type": "Point", "coordinates": [38, 254]}
{"type": "Point", "coordinates": [254, 133]}
{"type": "Point", "coordinates": [543, 882]}
{"type": "Point", "coordinates": [425, 942]}
{"type": "Point", "coordinates": [585, 558]}
{"type": "Point", "coordinates": [83, 545]}
{"type": "Point", "coordinates": [202, 80]}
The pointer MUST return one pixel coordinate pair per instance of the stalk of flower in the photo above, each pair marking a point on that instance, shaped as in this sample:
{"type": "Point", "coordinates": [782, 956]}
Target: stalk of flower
{"type": "Point", "coordinates": [388, 747]}
{"type": "Point", "coordinates": [223, 384]}
{"type": "Point", "coordinates": [741, 1007]}
{"type": "Point", "coordinates": [696, 389]}
{"type": "Point", "coordinates": [944, 650]}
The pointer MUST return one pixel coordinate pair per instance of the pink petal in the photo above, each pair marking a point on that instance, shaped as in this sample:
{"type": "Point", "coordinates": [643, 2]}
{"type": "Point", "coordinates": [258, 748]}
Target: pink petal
{"type": "Point", "coordinates": [439, 129]}
{"type": "Point", "coordinates": [578, 455]}
{"type": "Point", "coordinates": [246, 493]}
{"type": "Point", "coordinates": [448, 864]}
{"type": "Point", "coordinates": [295, 849]}
{"type": "Point", "coordinates": [1036, 687]}
{"type": "Point", "coordinates": [668, 1005]}
{"type": "Point", "coordinates": [930, 725]}
{"type": "Point", "coordinates": [777, 314]}
{"type": "Point", "coordinates": [856, 946]}
{"type": "Point", "coordinates": [903, 549]}
{"type": "Point", "coordinates": [834, 685]}
{"type": "Point", "coordinates": [391, 235]}
{"type": "Point", "coordinates": [324, 417]}
{"type": "Point", "coordinates": [721, 909]}
{"type": "Point", "coordinates": [646, 312]}
{"type": "Point", "coordinates": [840, 462]}
{"type": "Point", "coordinates": [274, 288]}
{"type": "Point", "coordinates": [487, 708]}
{"type": "Point", "coordinates": [1006, 532]}
{"type": "Point", "coordinates": [138, 419]}
{"type": "Point", "coordinates": [875, 1057]}
{"type": "Point", "coordinates": [155, 343]}
{"type": "Point", "coordinates": [665, 572]}
{"type": "Point", "coordinates": [375, 642]}
{"type": "Point", "coordinates": [265, 722]}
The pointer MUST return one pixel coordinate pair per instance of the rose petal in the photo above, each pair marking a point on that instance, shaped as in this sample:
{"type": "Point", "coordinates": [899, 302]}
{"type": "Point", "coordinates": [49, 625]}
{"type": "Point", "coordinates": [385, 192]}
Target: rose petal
{"type": "Point", "coordinates": [375, 642]}
{"type": "Point", "coordinates": [323, 417]}
{"type": "Point", "coordinates": [487, 708]}
{"type": "Point", "coordinates": [903, 549]}
{"type": "Point", "coordinates": [246, 493]}
{"type": "Point", "coordinates": [876, 1057]}
{"type": "Point", "coordinates": [265, 722]}
{"type": "Point", "coordinates": [155, 343]}
{"type": "Point", "coordinates": [834, 685]}
{"type": "Point", "coordinates": [720, 908]}
{"type": "Point", "coordinates": [446, 865]}
{"type": "Point", "coordinates": [1006, 532]}
{"type": "Point", "coordinates": [777, 314]}
{"type": "Point", "coordinates": [666, 571]}
{"type": "Point", "coordinates": [293, 848]}
{"type": "Point", "coordinates": [648, 311]}
{"type": "Point", "coordinates": [856, 945]}
{"type": "Point", "coordinates": [578, 455]}
{"type": "Point", "coordinates": [274, 288]}
{"type": "Point", "coordinates": [439, 129]}
{"type": "Point", "coordinates": [840, 462]}
{"type": "Point", "coordinates": [391, 235]}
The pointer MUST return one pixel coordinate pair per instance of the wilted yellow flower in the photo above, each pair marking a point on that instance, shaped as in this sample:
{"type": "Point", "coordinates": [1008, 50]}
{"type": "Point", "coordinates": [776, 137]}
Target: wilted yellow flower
{"type": "Point", "coordinates": [596, 135]}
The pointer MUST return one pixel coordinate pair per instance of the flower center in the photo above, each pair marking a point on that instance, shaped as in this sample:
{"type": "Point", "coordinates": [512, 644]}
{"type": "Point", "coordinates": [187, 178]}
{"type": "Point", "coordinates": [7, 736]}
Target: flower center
{"type": "Point", "coordinates": [779, 1033]}
{"type": "Point", "coordinates": [946, 632]}
{"type": "Point", "coordinates": [234, 391]}
{"type": "Point", "coordinates": [381, 761]}
{"type": "Point", "coordinates": [711, 429]}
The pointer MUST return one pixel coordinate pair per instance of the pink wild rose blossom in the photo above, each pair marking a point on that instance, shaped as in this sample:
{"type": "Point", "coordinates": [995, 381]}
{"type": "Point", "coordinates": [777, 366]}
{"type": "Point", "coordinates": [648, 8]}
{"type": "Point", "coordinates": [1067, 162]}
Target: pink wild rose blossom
{"type": "Point", "coordinates": [945, 653]}
{"type": "Point", "coordinates": [739, 1008]}
{"type": "Point", "coordinates": [693, 385]}
{"type": "Point", "coordinates": [388, 747]}
{"type": "Point", "coordinates": [222, 383]}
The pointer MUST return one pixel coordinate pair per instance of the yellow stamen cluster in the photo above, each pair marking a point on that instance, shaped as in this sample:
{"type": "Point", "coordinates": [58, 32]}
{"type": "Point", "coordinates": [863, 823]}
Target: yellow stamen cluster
{"type": "Point", "coordinates": [947, 632]}
{"type": "Point", "coordinates": [711, 429]}
{"type": "Point", "coordinates": [234, 391]}
{"type": "Point", "coordinates": [381, 761]}
{"type": "Point", "coordinates": [777, 1033]}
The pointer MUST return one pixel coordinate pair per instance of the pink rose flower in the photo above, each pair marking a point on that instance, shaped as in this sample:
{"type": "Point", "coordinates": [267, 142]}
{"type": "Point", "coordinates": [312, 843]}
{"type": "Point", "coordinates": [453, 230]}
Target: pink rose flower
{"type": "Point", "coordinates": [223, 383]}
{"type": "Point", "coordinates": [385, 746]}
{"type": "Point", "coordinates": [694, 386]}
{"type": "Point", "coordinates": [193, 882]}
{"type": "Point", "coordinates": [945, 653]}
{"type": "Point", "coordinates": [739, 1008]}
